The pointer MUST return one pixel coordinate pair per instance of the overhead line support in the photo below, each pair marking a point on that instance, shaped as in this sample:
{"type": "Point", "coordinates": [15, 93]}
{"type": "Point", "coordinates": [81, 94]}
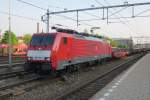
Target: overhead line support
{"type": "Point", "coordinates": [133, 12]}
{"type": "Point", "coordinates": [103, 17]}
{"type": "Point", "coordinates": [104, 7]}
{"type": "Point", "coordinates": [107, 16]}
{"type": "Point", "coordinates": [48, 20]}
{"type": "Point", "coordinates": [77, 18]}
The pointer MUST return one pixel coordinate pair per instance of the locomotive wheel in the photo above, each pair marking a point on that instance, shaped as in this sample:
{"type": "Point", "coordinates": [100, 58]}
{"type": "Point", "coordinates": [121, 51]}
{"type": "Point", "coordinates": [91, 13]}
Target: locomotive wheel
{"type": "Point", "coordinates": [92, 63]}
{"type": "Point", "coordinates": [96, 62]}
{"type": "Point", "coordinates": [27, 67]}
{"type": "Point", "coordinates": [100, 61]}
{"type": "Point", "coordinates": [103, 61]}
{"type": "Point", "coordinates": [77, 67]}
{"type": "Point", "coordinates": [39, 70]}
{"type": "Point", "coordinates": [55, 73]}
{"type": "Point", "coordinates": [72, 68]}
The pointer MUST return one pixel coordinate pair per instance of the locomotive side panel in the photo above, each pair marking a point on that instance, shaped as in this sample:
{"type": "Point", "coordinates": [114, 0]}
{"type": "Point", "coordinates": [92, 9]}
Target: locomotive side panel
{"type": "Point", "coordinates": [84, 50]}
{"type": "Point", "coordinates": [78, 50]}
{"type": "Point", "coordinates": [61, 56]}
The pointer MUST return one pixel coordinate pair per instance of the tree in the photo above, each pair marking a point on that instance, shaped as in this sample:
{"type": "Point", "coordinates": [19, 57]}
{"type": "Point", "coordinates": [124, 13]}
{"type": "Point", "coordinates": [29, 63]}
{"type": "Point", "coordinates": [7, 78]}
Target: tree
{"type": "Point", "coordinates": [5, 38]}
{"type": "Point", "coordinates": [123, 46]}
{"type": "Point", "coordinates": [26, 38]}
{"type": "Point", "coordinates": [113, 43]}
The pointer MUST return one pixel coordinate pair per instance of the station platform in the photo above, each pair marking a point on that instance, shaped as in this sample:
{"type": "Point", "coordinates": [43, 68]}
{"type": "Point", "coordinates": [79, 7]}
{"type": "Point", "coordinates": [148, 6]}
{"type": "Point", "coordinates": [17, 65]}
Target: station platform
{"type": "Point", "coordinates": [132, 84]}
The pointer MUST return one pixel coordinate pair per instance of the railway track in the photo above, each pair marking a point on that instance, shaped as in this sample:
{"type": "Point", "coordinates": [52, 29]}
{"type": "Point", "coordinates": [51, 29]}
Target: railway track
{"type": "Point", "coordinates": [4, 59]}
{"type": "Point", "coordinates": [14, 61]}
{"type": "Point", "coordinates": [87, 89]}
{"type": "Point", "coordinates": [14, 71]}
{"type": "Point", "coordinates": [9, 89]}
{"type": "Point", "coordinates": [80, 92]}
{"type": "Point", "coordinates": [2, 66]}
{"type": "Point", "coordinates": [19, 83]}
{"type": "Point", "coordinates": [6, 72]}
{"type": "Point", "coordinates": [12, 74]}
{"type": "Point", "coordinates": [12, 56]}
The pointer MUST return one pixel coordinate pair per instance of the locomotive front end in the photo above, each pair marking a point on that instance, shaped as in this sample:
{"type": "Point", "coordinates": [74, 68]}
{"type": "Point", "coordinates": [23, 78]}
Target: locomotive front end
{"type": "Point", "coordinates": [39, 53]}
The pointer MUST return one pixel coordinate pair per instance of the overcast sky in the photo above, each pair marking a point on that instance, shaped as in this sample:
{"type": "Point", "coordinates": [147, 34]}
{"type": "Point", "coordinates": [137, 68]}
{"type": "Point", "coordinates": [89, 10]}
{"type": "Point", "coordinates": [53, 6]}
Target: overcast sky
{"type": "Point", "coordinates": [116, 28]}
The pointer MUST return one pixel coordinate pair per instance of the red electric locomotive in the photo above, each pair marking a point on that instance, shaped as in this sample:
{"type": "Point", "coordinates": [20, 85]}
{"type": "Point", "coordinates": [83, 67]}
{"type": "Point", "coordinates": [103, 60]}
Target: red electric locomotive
{"type": "Point", "coordinates": [64, 48]}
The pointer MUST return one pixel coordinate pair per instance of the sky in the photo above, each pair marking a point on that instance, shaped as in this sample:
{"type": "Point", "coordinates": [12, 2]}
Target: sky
{"type": "Point", "coordinates": [124, 27]}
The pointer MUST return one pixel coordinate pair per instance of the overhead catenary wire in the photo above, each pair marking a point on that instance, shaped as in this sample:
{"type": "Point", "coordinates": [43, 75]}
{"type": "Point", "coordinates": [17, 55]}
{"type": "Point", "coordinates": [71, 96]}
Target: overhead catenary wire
{"type": "Point", "coordinates": [109, 11]}
{"type": "Point", "coordinates": [129, 17]}
{"type": "Point", "coordinates": [52, 6]}
{"type": "Point", "coordinates": [108, 16]}
{"type": "Point", "coordinates": [73, 19]}
{"type": "Point", "coordinates": [142, 12]}
{"type": "Point", "coordinates": [31, 4]}
{"type": "Point", "coordinates": [124, 23]}
{"type": "Point", "coordinates": [69, 18]}
{"type": "Point", "coordinates": [130, 29]}
{"type": "Point", "coordinates": [103, 6]}
{"type": "Point", "coordinates": [117, 12]}
{"type": "Point", "coordinates": [62, 7]}
{"type": "Point", "coordinates": [99, 3]}
{"type": "Point", "coordinates": [133, 16]}
{"type": "Point", "coordinates": [19, 16]}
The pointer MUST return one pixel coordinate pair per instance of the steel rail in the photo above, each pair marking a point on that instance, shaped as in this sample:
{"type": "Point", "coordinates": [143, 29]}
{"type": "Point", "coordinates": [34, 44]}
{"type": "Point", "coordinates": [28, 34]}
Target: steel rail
{"type": "Point", "coordinates": [12, 74]}
{"type": "Point", "coordinates": [19, 83]}
{"type": "Point", "coordinates": [13, 64]}
{"type": "Point", "coordinates": [14, 61]}
{"type": "Point", "coordinates": [72, 90]}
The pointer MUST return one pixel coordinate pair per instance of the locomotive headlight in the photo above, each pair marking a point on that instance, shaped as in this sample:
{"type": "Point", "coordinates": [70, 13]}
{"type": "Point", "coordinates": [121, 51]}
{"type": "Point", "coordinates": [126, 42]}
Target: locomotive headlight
{"type": "Point", "coordinates": [29, 58]}
{"type": "Point", "coordinates": [47, 58]}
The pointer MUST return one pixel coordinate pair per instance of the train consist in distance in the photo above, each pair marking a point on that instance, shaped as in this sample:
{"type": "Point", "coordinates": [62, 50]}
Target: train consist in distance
{"type": "Point", "coordinates": [64, 49]}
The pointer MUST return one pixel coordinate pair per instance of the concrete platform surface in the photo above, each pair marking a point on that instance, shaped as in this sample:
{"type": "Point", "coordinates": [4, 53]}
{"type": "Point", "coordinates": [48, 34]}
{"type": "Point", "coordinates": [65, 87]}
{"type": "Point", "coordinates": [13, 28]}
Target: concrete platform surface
{"type": "Point", "coordinates": [133, 84]}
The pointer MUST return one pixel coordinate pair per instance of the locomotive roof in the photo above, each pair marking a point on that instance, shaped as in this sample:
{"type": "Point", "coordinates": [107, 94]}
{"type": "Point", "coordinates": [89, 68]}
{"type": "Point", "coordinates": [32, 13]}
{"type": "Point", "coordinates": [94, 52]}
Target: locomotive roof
{"type": "Point", "coordinates": [44, 33]}
{"type": "Point", "coordinates": [79, 34]}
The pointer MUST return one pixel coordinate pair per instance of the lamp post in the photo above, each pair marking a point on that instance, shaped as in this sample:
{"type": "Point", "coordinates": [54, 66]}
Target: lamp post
{"type": "Point", "coordinates": [10, 45]}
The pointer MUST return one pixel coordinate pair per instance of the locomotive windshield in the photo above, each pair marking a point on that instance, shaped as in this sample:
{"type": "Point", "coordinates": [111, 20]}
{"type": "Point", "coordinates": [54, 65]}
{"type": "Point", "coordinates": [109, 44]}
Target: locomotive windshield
{"type": "Point", "coordinates": [42, 40]}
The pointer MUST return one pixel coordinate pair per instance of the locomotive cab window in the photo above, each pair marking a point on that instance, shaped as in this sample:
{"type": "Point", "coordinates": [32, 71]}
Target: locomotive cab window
{"type": "Point", "coordinates": [42, 40]}
{"type": "Point", "coordinates": [65, 40]}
